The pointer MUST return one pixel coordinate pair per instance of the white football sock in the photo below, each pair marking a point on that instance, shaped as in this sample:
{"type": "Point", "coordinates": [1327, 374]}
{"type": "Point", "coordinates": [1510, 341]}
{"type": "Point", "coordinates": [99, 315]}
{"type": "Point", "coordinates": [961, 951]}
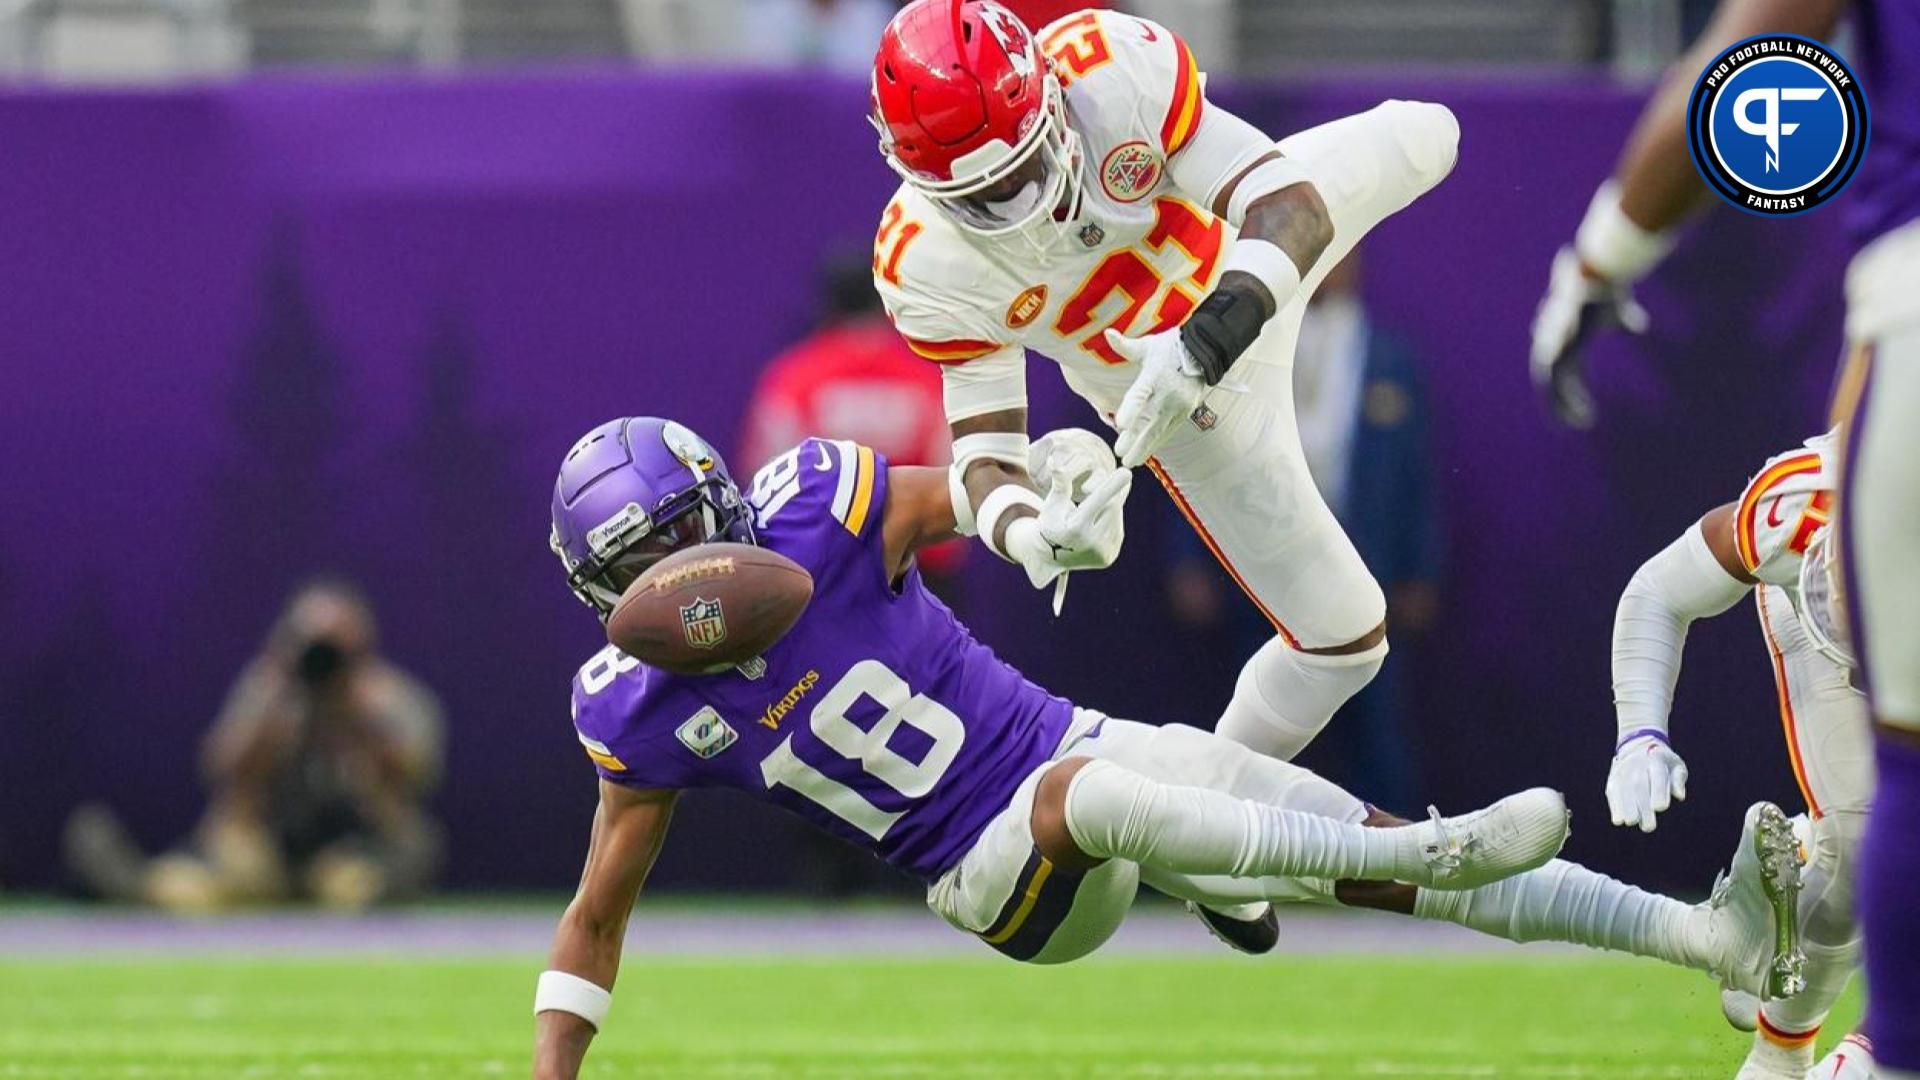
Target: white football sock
{"type": "Point", "coordinates": [1115, 813]}
{"type": "Point", "coordinates": [1828, 969]}
{"type": "Point", "coordinates": [1284, 697]}
{"type": "Point", "coordinates": [1565, 901]}
{"type": "Point", "coordinates": [1782, 1053]}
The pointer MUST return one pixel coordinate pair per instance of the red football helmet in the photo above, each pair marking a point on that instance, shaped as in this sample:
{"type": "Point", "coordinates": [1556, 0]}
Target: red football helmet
{"type": "Point", "coordinates": [971, 115]}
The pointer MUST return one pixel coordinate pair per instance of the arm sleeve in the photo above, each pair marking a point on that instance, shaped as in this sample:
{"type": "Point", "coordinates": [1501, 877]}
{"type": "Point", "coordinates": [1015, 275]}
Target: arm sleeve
{"type": "Point", "coordinates": [1682, 583]}
{"type": "Point", "coordinates": [1222, 147]}
{"type": "Point", "coordinates": [992, 383]}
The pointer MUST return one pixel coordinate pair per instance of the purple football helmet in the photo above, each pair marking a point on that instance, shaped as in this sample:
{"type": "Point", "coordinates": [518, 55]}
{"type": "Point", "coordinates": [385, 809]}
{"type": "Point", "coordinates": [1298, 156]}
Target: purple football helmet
{"type": "Point", "coordinates": [630, 493]}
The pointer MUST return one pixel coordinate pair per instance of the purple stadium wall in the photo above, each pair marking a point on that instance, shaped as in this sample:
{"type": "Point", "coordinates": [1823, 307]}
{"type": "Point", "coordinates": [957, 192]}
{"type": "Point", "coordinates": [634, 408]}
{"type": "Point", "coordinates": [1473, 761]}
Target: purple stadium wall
{"type": "Point", "coordinates": [253, 331]}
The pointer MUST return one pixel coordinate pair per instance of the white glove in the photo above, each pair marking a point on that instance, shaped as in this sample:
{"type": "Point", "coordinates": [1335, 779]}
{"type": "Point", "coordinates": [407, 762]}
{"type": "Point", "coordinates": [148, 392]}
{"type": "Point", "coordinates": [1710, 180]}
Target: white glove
{"type": "Point", "coordinates": [1069, 456]}
{"type": "Point", "coordinates": [1162, 397]}
{"type": "Point", "coordinates": [1073, 536]}
{"type": "Point", "coordinates": [1647, 778]}
{"type": "Point", "coordinates": [1575, 308]}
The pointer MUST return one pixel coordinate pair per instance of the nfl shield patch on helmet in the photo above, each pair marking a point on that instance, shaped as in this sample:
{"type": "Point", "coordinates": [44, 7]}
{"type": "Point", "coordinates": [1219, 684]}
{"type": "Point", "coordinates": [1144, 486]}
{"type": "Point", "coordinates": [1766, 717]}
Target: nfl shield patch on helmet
{"type": "Point", "coordinates": [704, 622]}
{"type": "Point", "coordinates": [705, 733]}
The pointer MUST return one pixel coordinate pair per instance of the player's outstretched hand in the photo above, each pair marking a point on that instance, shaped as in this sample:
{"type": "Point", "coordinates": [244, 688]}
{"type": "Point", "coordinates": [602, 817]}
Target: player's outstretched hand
{"type": "Point", "coordinates": [1086, 535]}
{"type": "Point", "coordinates": [1647, 778]}
{"type": "Point", "coordinates": [1575, 308]}
{"type": "Point", "coordinates": [1162, 396]}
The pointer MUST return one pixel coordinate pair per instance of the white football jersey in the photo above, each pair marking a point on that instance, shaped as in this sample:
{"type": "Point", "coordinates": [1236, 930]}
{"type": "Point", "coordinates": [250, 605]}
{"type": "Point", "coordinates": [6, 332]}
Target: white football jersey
{"type": "Point", "coordinates": [1784, 505]}
{"type": "Point", "coordinates": [1139, 257]}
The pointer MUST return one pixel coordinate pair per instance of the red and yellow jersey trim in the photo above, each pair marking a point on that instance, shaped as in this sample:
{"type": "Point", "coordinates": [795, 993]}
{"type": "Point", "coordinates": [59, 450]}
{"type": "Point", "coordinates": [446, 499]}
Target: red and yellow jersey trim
{"type": "Point", "coordinates": [1183, 112]}
{"type": "Point", "coordinates": [952, 352]}
{"type": "Point", "coordinates": [1745, 525]}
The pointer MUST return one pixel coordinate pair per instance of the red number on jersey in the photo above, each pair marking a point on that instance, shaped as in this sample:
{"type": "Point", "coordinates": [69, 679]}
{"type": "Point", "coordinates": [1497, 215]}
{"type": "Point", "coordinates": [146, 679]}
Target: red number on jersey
{"type": "Point", "coordinates": [886, 261]}
{"type": "Point", "coordinates": [1125, 272]}
{"type": "Point", "coordinates": [1077, 46]}
{"type": "Point", "coordinates": [1819, 509]}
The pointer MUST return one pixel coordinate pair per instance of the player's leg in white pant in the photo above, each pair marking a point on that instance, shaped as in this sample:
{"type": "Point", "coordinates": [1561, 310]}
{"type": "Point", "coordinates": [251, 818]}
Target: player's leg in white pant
{"type": "Point", "coordinates": [1560, 901]}
{"type": "Point", "coordinates": [1244, 484]}
{"type": "Point", "coordinates": [1023, 905]}
{"type": "Point", "coordinates": [1830, 744]}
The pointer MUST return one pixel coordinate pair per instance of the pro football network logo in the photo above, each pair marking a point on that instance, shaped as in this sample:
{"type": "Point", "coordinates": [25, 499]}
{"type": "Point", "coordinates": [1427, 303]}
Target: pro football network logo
{"type": "Point", "coordinates": [1777, 124]}
{"type": "Point", "coordinates": [704, 622]}
{"type": "Point", "coordinates": [1129, 171]}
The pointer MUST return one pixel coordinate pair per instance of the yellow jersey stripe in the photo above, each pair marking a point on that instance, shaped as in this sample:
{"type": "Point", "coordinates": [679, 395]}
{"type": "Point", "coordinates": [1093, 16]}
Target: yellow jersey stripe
{"type": "Point", "coordinates": [862, 492]}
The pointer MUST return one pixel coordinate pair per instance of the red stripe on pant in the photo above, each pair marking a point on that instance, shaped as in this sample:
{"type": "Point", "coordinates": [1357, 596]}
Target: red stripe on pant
{"type": "Point", "coordinates": [1193, 519]}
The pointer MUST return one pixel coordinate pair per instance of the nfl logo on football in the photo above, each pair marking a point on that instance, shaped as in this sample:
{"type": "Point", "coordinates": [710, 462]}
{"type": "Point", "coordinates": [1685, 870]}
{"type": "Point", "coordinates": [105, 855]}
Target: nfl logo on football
{"type": "Point", "coordinates": [705, 624]}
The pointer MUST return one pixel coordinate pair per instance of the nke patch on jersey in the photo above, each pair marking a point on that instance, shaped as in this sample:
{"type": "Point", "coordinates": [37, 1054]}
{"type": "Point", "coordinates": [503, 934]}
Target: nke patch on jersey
{"type": "Point", "coordinates": [1784, 505]}
{"type": "Point", "coordinates": [1138, 259]}
{"type": "Point", "coordinates": [878, 716]}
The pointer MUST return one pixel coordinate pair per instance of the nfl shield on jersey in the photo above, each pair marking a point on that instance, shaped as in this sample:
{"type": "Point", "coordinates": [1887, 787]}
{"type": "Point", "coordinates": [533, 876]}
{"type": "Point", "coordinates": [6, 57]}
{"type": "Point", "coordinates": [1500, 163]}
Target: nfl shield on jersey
{"type": "Point", "coordinates": [877, 717]}
{"type": "Point", "coordinates": [1140, 258]}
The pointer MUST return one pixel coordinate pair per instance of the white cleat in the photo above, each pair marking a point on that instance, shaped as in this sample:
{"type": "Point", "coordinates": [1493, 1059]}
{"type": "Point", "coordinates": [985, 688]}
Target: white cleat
{"type": "Point", "coordinates": [1851, 1060]}
{"type": "Point", "coordinates": [1518, 833]}
{"type": "Point", "coordinates": [1753, 915]}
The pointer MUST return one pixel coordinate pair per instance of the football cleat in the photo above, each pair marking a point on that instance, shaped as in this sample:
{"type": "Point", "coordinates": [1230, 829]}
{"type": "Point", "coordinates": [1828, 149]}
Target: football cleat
{"type": "Point", "coordinates": [1518, 833]}
{"type": "Point", "coordinates": [1254, 936]}
{"type": "Point", "coordinates": [1753, 914]}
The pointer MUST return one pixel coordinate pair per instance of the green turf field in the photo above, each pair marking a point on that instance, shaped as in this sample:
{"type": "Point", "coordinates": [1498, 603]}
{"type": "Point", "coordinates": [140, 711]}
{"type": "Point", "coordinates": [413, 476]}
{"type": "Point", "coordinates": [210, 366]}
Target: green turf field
{"type": "Point", "coordinates": [1320, 1016]}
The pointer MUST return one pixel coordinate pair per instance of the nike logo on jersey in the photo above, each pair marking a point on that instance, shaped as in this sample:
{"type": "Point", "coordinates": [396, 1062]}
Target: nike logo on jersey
{"type": "Point", "coordinates": [1773, 512]}
{"type": "Point", "coordinates": [1147, 34]}
{"type": "Point", "coordinates": [825, 463]}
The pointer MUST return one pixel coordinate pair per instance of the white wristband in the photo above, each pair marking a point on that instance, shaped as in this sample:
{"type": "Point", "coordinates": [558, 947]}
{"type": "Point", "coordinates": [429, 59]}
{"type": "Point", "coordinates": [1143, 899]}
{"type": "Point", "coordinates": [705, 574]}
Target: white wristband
{"type": "Point", "coordinates": [963, 516]}
{"type": "Point", "coordinates": [561, 991]}
{"type": "Point", "coordinates": [1265, 260]}
{"type": "Point", "coordinates": [995, 506]}
{"type": "Point", "coordinates": [1615, 246]}
{"type": "Point", "coordinates": [1006, 447]}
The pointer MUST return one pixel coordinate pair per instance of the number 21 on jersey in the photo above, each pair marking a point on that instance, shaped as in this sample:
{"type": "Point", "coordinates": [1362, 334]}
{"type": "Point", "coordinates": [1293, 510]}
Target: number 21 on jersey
{"type": "Point", "coordinates": [1127, 274]}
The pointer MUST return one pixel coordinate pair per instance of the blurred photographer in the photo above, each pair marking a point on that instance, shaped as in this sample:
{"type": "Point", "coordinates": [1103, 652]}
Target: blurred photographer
{"type": "Point", "coordinates": [317, 769]}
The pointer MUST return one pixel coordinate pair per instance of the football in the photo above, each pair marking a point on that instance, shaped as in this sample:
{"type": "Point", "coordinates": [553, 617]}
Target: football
{"type": "Point", "coordinates": [709, 607]}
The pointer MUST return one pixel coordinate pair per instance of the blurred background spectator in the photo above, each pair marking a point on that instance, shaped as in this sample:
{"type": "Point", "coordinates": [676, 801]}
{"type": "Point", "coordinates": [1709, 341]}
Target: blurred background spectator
{"type": "Point", "coordinates": [854, 378]}
{"type": "Point", "coordinates": [1361, 401]}
{"type": "Point", "coordinates": [316, 771]}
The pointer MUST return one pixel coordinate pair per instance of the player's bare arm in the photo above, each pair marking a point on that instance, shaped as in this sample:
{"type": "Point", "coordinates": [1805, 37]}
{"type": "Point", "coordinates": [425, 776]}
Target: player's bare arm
{"type": "Point", "coordinates": [919, 512]}
{"type": "Point", "coordinates": [983, 474]}
{"type": "Point", "coordinates": [628, 828]}
{"type": "Point", "coordinates": [1293, 219]}
{"type": "Point", "coordinates": [1629, 226]}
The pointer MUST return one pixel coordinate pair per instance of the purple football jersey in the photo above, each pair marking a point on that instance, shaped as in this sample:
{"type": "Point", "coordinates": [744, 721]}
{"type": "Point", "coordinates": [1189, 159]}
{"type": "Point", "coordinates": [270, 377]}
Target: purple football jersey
{"type": "Point", "coordinates": [877, 717]}
{"type": "Point", "coordinates": [1886, 194]}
